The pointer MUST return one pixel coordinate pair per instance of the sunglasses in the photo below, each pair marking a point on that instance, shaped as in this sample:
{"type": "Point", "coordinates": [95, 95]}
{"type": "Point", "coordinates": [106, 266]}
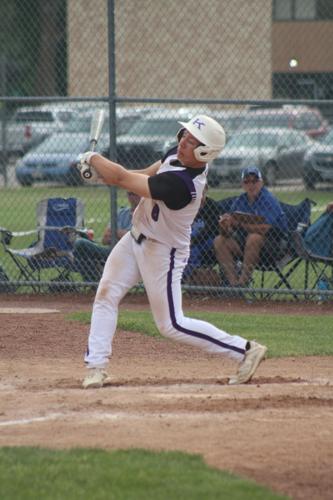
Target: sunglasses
{"type": "Point", "coordinates": [251, 181]}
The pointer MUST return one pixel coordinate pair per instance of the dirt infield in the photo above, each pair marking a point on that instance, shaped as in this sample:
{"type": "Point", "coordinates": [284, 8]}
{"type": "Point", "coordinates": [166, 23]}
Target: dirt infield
{"type": "Point", "coordinates": [277, 430]}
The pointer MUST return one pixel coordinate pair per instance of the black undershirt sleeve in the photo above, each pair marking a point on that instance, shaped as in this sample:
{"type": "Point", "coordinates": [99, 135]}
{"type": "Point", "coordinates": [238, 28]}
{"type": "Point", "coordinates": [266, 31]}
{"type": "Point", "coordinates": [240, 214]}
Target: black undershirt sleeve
{"type": "Point", "coordinates": [171, 189]}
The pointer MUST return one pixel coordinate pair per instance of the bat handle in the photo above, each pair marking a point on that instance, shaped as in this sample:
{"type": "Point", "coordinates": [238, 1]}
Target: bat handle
{"type": "Point", "coordinates": [87, 173]}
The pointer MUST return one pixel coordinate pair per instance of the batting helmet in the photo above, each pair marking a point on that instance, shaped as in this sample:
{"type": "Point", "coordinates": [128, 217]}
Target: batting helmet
{"type": "Point", "coordinates": [210, 134]}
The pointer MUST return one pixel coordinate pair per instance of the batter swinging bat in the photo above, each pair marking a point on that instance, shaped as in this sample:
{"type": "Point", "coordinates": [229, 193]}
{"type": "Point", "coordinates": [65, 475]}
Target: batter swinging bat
{"type": "Point", "coordinates": [95, 132]}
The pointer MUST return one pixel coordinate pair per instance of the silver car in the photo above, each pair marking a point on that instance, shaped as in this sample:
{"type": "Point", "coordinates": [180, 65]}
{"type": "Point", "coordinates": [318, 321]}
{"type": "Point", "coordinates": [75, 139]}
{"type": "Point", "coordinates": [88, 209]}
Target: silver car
{"type": "Point", "coordinates": [318, 162]}
{"type": "Point", "coordinates": [278, 152]}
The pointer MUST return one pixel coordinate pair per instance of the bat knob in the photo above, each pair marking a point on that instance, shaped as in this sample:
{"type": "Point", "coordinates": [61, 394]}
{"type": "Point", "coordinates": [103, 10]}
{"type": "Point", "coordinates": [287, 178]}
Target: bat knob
{"type": "Point", "coordinates": [87, 174]}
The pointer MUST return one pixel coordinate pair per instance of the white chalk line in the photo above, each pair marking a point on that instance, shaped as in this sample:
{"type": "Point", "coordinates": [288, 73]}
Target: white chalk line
{"type": "Point", "coordinates": [100, 416]}
{"type": "Point", "coordinates": [113, 416]}
{"type": "Point", "coordinates": [27, 310]}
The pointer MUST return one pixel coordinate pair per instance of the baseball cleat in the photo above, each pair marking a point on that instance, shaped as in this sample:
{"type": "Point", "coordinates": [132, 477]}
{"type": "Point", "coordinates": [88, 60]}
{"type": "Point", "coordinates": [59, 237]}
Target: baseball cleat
{"type": "Point", "coordinates": [96, 379]}
{"type": "Point", "coordinates": [252, 360]}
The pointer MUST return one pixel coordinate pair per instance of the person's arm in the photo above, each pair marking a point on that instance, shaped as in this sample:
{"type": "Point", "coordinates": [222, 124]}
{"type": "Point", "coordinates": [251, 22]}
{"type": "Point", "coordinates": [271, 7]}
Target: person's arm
{"type": "Point", "coordinates": [228, 223]}
{"type": "Point", "coordinates": [106, 240]}
{"type": "Point", "coordinates": [255, 228]}
{"type": "Point", "coordinates": [152, 170]}
{"type": "Point", "coordinates": [114, 174]}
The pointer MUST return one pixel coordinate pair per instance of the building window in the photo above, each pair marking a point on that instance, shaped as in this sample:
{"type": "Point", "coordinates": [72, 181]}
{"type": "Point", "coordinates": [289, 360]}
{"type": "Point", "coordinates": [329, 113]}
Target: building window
{"type": "Point", "coordinates": [324, 9]}
{"type": "Point", "coordinates": [282, 10]}
{"type": "Point", "coordinates": [305, 9]}
{"type": "Point", "coordinates": [300, 10]}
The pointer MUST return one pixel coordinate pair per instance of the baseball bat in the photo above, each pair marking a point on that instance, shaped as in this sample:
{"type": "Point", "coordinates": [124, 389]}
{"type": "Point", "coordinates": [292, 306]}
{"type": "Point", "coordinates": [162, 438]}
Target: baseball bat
{"type": "Point", "coordinates": [97, 122]}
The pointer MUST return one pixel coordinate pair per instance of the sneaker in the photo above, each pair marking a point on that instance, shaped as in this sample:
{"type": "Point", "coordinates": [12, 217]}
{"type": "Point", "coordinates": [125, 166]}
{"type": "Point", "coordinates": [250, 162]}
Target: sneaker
{"type": "Point", "coordinates": [96, 379]}
{"type": "Point", "coordinates": [252, 360]}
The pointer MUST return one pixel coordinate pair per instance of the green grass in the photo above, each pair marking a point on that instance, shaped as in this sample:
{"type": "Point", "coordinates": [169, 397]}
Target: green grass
{"type": "Point", "coordinates": [30, 473]}
{"type": "Point", "coordinates": [18, 205]}
{"type": "Point", "coordinates": [284, 335]}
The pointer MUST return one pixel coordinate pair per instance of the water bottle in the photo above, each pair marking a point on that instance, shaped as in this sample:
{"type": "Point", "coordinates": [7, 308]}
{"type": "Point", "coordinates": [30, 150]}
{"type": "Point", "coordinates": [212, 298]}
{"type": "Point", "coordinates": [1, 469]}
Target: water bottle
{"type": "Point", "coordinates": [323, 285]}
{"type": "Point", "coordinates": [301, 228]}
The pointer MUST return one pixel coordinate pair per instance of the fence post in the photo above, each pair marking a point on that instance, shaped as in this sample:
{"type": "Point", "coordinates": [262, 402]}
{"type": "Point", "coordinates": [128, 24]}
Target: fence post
{"type": "Point", "coordinates": [3, 91]}
{"type": "Point", "coordinates": [112, 115]}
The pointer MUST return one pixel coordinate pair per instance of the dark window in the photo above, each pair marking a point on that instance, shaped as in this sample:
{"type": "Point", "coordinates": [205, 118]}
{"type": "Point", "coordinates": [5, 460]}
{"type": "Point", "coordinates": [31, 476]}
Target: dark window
{"type": "Point", "coordinates": [300, 10]}
{"type": "Point", "coordinates": [307, 121]}
{"type": "Point", "coordinates": [324, 9]}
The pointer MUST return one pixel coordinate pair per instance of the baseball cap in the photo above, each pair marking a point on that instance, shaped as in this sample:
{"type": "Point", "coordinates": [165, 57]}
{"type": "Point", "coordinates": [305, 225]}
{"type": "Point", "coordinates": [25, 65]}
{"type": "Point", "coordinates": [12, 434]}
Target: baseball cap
{"type": "Point", "coordinates": [251, 171]}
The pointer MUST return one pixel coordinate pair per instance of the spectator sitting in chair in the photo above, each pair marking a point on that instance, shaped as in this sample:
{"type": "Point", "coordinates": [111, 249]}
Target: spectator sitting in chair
{"type": "Point", "coordinates": [89, 256]}
{"type": "Point", "coordinates": [245, 240]}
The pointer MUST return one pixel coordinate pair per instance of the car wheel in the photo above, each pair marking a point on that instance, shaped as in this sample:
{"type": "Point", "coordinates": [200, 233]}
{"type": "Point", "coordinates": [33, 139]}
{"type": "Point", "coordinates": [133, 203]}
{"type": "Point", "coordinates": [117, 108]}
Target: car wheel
{"type": "Point", "coordinates": [309, 180]}
{"type": "Point", "coordinates": [270, 174]}
{"type": "Point", "coordinates": [74, 179]}
{"type": "Point", "coordinates": [25, 182]}
{"type": "Point", "coordinates": [213, 180]}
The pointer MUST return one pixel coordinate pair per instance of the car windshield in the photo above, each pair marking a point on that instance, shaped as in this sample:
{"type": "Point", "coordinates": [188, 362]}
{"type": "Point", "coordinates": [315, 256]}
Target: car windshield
{"type": "Point", "coordinates": [82, 124]}
{"type": "Point", "coordinates": [253, 140]}
{"type": "Point", "coordinates": [155, 127]}
{"type": "Point", "coordinates": [63, 143]}
{"type": "Point", "coordinates": [34, 116]}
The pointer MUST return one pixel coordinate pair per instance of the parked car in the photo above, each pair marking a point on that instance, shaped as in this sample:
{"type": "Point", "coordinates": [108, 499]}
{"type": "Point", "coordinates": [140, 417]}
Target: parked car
{"type": "Point", "coordinates": [125, 118]}
{"type": "Point", "coordinates": [231, 120]}
{"type": "Point", "coordinates": [149, 138]}
{"type": "Point", "coordinates": [55, 159]}
{"type": "Point", "coordinates": [278, 152]}
{"type": "Point", "coordinates": [30, 125]}
{"type": "Point", "coordinates": [309, 120]}
{"type": "Point", "coordinates": [318, 162]}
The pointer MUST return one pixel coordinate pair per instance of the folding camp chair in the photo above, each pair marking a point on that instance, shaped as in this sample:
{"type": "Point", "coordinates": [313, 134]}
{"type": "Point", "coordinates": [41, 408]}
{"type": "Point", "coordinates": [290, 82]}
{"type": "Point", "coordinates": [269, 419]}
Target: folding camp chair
{"type": "Point", "coordinates": [59, 220]}
{"type": "Point", "coordinates": [315, 248]}
{"type": "Point", "coordinates": [288, 258]}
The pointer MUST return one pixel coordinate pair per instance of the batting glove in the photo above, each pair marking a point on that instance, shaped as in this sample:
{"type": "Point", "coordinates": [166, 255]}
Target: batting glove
{"type": "Point", "coordinates": [87, 172]}
{"type": "Point", "coordinates": [86, 157]}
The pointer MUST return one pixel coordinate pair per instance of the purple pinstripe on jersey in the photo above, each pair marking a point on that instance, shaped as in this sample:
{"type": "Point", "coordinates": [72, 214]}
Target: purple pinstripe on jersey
{"type": "Point", "coordinates": [173, 316]}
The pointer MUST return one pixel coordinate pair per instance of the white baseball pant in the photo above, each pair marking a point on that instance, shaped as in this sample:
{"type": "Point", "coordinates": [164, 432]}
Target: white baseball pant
{"type": "Point", "coordinates": [160, 269]}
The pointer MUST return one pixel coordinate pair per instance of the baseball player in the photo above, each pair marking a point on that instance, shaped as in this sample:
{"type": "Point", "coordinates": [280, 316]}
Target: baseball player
{"type": "Point", "coordinates": [157, 249]}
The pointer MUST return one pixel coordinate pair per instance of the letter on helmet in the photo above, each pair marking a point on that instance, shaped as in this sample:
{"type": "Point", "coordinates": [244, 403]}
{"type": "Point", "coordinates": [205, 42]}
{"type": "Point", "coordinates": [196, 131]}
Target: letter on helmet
{"type": "Point", "coordinates": [210, 133]}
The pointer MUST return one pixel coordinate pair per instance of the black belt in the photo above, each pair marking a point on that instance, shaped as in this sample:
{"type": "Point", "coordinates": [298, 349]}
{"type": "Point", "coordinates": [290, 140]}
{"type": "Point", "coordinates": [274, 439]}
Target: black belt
{"type": "Point", "coordinates": [138, 238]}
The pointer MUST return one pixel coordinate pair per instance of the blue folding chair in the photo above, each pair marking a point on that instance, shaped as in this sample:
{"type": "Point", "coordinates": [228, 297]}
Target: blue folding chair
{"type": "Point", "coordinates": [59, 220]}
{"type": "Point", "coordinates": [315, 247]}
{"type": "Point", "coordinates": [288, 258]}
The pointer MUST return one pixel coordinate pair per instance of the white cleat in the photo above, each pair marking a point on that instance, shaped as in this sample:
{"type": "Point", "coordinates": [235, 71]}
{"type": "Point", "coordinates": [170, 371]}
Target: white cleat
{"type": "Point", "coordinates": [252, 360]}
{"type": "Point", "coordinates": [96, 379]}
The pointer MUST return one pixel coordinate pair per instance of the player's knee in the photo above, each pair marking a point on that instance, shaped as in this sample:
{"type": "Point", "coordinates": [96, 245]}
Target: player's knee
{"type": "Point", "coordinates": [108, 293]}
{"type": "Point", "coordinates": [166, 329]}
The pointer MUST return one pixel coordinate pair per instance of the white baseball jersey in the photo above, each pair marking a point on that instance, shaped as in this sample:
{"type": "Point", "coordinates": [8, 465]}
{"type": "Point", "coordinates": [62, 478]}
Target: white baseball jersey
{"type": "Point", "coordinates": [172, 227]}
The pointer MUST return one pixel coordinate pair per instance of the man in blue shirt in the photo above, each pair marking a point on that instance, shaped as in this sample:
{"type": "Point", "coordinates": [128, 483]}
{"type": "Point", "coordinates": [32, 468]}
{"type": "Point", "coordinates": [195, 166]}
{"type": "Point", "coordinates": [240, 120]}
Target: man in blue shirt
{"type": "Point", "coordinates": [246, 240]}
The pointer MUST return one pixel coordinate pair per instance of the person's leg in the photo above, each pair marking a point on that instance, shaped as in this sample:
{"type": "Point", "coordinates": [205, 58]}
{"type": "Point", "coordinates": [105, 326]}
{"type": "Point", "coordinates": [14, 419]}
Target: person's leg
{"type": "Point", "coordinates": [226, 250]}
{"type": "Point", "coordinates": [161, 269]}
{"type": "Point", "coordinates": [253, 246]}
{"type": "Point", "coordinates": [120, 274]}
{"type": "Point", "coordinates": [89, 257]}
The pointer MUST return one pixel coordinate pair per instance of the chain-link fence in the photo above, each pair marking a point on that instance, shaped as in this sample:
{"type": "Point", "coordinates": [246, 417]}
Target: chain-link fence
{"type": "Point", "coordinates": [262, 69]}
